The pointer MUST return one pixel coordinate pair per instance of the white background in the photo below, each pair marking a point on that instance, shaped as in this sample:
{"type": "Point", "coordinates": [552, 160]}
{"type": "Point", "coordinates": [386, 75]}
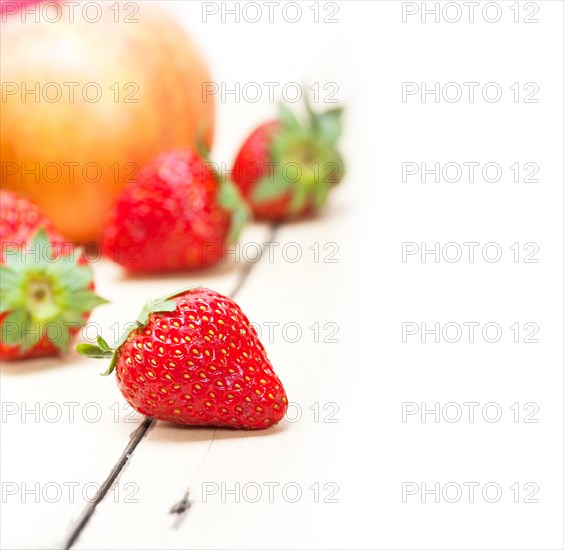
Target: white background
{"type": "Point", "coordinates": [370, 453]}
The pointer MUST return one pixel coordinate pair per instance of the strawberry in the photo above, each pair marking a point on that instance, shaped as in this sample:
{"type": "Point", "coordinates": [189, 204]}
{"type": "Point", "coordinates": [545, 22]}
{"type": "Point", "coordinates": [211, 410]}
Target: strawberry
{"type": "Point", "coordinates": [285, 169]}
{"type": "Point", "coordinates": [177, 215]}
{"type": "Point", "coordinates": [194, 358]}
{"type": "Point", "coordinates": [8, 7]}
{"type": "Point", "coordinates": [19, 218]}
{"type": "Point", "coordinates": [46, 288]}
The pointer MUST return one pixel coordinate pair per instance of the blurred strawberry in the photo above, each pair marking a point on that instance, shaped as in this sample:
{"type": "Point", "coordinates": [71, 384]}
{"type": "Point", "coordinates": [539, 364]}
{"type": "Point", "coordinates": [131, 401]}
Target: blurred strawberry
{"type": "Point", "coordinates": [285, 169]}
{"type": "Point", "coordinates": [20, 218]}
{"type": "Point", "coordinates": [46, 287]}
{"type": "Point", "coordinates": [9, 7]}
{"type": "Point", "coordinates": [177, 215]}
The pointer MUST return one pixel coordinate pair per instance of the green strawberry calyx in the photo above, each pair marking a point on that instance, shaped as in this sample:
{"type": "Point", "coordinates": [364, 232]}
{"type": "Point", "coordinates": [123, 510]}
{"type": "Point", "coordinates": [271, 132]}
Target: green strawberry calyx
{"type": "Point", "coordinates": [305, 160]}
{"type": "Point", "coordinates": [102, 350]}
{"type": "Point", "coordinates": [44, 294]}
{"type": "Point", "coordinates": [229, 196]}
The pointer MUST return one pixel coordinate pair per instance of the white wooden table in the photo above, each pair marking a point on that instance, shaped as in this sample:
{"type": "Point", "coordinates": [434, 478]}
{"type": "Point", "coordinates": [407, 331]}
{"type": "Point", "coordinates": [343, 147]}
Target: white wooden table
{"type": "Point", "coordinates": [333, 473]}
{"type": "Point", "coordinates": [67, 431]}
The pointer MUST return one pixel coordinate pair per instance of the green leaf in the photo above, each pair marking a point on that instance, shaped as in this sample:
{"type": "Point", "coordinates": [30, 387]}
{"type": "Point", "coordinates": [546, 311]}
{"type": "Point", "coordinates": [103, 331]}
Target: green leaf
{"type": "Point", "coordinates": [72, 318]}
{"type": "Point", "coordinates": [328, 126]}
{"type": "Point", "coordinates": [11, 289]}
{"type": "Point", "coordinates": [92, 351]}
{"type": "Point", "coordinates": [101, 351]}
{"type": "Point", "coordinates": [299, 197]}
{"type": "Point", "coordinates": [229, 196]}
{"type": "Point", "coordinates": [111, 366]}
{"type": "Point", "coordinates": [40, 242]}
{"type": "Point", "coordinates": [14, 327]}
{"type": "Point", "coordinates": [200, 144]}
{"type": "Point", "coordinates": [70, 276]}
{"type": "Point", "coordinates": [231, 199]}
{"type": "Point", "coordinates": [50, 287]}
{"type": "Point", "coordinates": [287, 117]}
{"type": "Point", "coordinates": [167, 305]}
{"type": "Point", "coordinates": [61, 342]}
{"type": "Point", "coordinates": [268, 189]}
{"type": "Point", "coordinates": [158, 305]}
{"type": "Point", "coordinates": [28, 342]}
{"type": "Point", "coordinates": [239, 219]}
{"type": "Point", "coordinates": [12, 256]}
{"type": "Point", "coordinates": [82, 301]}
{"type": "Point", "coordinates": [56, 329]}
{"type": "Point", "coordinates": [201, 147]}
{"type": "Point", "coordinates": [312, 146]}
{"type": "Point", "coordinates": [286, 142]}
{"type": "Point", "coordinates": [34, 333]}
{"type": "Point", "coordinates": [338, 170]}
{"type": "Point", "coordinates": [321, 194]}
{"type": "Point", "coordinates": [175, 293]}
{"type": "Point", "coordinates": [154, 307]}
{"type": "Point", "coordinates": [15, 259]}
{"type": "Point", "coordinates": [43, 288]}
{"type": "Point", "coordinates": [31, 254]}
{"type": "Point", "coordinates": [104, 345]}
{"type": "Point", "coordinates": [126, 334]}
{"type": "Point", "coordinates": [310, 112]}
{"type": "Point", "coordinates": [6, 304]}
{"type": "Point", "coordinates": [9, 279]}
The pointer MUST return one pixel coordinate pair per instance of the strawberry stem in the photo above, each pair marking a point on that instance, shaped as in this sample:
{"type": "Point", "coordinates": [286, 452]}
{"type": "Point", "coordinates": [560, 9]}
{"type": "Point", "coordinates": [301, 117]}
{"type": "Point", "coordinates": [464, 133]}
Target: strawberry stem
{"type": "Point", "coordinates": [40, 289]}
{"type": "Point", "coordinates": [230, 198]}
{"type": "Point", "coordinates": [310, 149]}
{"type": "Point", "coordinates": [103, 350]}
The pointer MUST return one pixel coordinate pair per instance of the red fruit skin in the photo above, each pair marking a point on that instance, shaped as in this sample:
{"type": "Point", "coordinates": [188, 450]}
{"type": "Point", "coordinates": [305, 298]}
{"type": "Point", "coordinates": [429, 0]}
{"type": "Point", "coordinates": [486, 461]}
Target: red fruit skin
{"type": "Point", "coordinates": [169, 219]}
{"type": "Point", "coordinates": [252, 163]}
{"type": "Point", "coordinates": [43, 348]}
{"type": "Point", "coordinates": [20, 219]}
{"type": "Point", "coordinates": [12, 7]}
{"type": "Point", "coordinates": [202, 364]}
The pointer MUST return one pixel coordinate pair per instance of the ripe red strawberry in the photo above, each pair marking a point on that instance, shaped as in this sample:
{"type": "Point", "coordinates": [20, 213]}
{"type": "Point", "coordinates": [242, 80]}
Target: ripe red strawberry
{"type": "Point", "coordinates": [286, 169]}
{"type": "Point", "coordinates": [46, 288]}
{"type": "Point", "coordinates": [194, 358]}
{"type": "Point", "coordinates": [177, 215]}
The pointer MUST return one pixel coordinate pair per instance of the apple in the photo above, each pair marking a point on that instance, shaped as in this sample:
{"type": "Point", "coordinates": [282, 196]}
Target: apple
{"type": "Point", "coordinates": [90, 93]}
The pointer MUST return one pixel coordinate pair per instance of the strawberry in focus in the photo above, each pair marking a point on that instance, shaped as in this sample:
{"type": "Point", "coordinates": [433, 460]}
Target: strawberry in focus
{"type": "Point", "coordinates": [178, 214]}
{"type": "Point", "coordinates": [286, 169]}
{"type": "Point", "coordinates": [194, 358]}
{"type": "Point", "coordinates": [46, 284]}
